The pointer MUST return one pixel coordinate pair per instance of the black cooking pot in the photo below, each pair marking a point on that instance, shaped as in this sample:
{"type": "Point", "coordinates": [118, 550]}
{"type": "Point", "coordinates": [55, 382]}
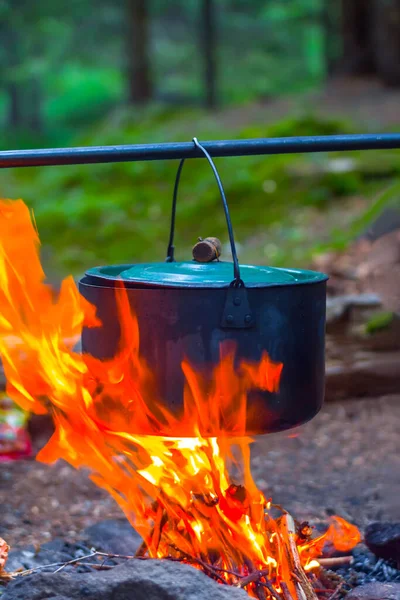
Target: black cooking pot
{"type": "Point", "coordinates": [185, 310]}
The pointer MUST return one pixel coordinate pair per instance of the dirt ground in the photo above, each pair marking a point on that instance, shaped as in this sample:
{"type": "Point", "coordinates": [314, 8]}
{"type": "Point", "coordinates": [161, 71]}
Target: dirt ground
{"type": "Point", "coordinates": [363, 101]}
{"type": "Point", "coordinates": [346, 461]}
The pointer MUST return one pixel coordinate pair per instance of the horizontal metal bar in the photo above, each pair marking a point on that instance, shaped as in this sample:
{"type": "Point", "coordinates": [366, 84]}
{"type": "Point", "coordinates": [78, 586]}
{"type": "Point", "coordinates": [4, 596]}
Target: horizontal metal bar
{"type": "Point", "coordinates": [141, 152]}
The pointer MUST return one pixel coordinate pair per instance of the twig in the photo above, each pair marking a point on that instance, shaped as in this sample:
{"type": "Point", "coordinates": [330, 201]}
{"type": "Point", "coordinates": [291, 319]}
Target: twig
{"type": "Point", "coordinates": [336, 592]}
{"type": "Point", "coordinates": [202, 563]}
{"type": "Point", "coordinates": [252, 578]}
{"type": "Point", "coordinates": [267, 584]}
{"type": "Point", "coordinates": [255, 577]}
{"type": "Point", "coordinates": [155, 534]}
{"type": "Point", "coordinates": [101, 567]}
{"type": "Point", "coordinates": [141, 551]}
{"type": "Point", "coordinates": [74, 560]}
{"type": "Point", "coordinates": [71, 562]}
{"type": "Point", "coordinates": [161, 520]}
{"type": "Point", "coordinates": [57, 564]}
{"type": "Point", "coordinates": [279, 507]}
{"type": "Point", "coordinates": [296, 577]}
{"type": "Point", "coordinates": [221, 570]}
{"type": "Point", "coordinates": [109, 555]}
{"type": "Point", "coordinates": [285, 591]}
{"type": "Point", "coordinates": [261, 595]}
{"type": "Point", "coordinates": [210, 569]}
{"type": "Point", "coordinates": [335, 562]}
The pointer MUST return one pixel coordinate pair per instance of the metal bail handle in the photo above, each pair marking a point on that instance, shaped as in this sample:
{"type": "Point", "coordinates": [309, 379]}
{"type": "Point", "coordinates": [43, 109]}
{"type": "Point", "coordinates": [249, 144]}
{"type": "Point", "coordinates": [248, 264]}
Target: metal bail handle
{"type": "Point", "coordinates": [237, 312]}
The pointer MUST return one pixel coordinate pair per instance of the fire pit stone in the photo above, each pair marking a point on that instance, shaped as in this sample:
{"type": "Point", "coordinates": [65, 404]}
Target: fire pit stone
{"type": "Point", "coordinates": [376, 591]}
{"type": "Point", "coordinates": [383, 539]}
{"type": "Point", "coordinates": [115, 536]}
{"type": "Point", "coordinates": [135, 579]}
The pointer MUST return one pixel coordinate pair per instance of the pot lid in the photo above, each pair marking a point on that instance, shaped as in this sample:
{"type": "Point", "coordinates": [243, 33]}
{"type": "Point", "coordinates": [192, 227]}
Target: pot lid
{"type": "Point", "coordinates": [203, 275]}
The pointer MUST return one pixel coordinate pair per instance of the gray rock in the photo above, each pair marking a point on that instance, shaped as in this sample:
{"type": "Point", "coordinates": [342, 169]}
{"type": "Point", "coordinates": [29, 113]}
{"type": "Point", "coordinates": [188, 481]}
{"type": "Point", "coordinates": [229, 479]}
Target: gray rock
{"type": "Point", "coordinates": [376, 591]}
{"type": "Point", "coordinates": [22, 559]}
{"type": "Point", "coordinates": [56, 551]}
{"type": "Point", "coordinates": [116, 536]}
{"type": "Point", "coordinates": [338, 308]}
{"type": "Point", "coordinates": [133, 580]}
{"type": "Point", "coordinates": [383, 539]}
{"type": "Point", "coordinates": [52, 553]}
{"type": "Point", "coordinates": [387, 221]}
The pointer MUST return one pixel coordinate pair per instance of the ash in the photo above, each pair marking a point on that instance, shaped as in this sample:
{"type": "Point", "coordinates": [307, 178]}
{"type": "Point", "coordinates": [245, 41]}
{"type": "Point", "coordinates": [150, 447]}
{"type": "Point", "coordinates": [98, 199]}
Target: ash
{"type": "Point", "coordinates": [367, 568]}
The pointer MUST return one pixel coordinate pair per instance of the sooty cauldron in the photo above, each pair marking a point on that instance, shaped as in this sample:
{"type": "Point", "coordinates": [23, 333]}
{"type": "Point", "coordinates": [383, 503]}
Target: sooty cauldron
{"type": "Point", "coordinates": [186, 309]}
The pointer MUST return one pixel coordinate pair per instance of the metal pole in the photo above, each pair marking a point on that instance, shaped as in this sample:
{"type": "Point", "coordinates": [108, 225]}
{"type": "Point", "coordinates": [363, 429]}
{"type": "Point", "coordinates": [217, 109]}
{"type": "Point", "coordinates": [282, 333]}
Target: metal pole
{"type": "Point", "coordinates": [141, 152]}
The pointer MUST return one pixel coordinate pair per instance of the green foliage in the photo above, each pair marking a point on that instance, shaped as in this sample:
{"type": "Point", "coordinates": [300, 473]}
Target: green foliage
{"type": "Point", "coordinates": [75, 54]}
{"type": "Point", "coordinates": [379, 322]}
{"type": "Point", "coordinates": [116, 213]}
{"type": "Point", "coordinates": [80, 95]}
{"type": "Point", "coordinates": [390, 197]}
{"type": "Point", "coordinates": [69, 61]}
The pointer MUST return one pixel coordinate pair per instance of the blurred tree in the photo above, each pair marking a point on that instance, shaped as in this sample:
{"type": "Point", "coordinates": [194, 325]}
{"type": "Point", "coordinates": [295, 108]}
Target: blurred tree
{"type": "Point", "coordinates": [140, 82]}
{"type": "Point", "coordinates": [9, 63]}
{"type": "Point", "coordinates": [358, 56]}
{"type": "Point", "coordinates": [371, 38]}
{"type": "Point", "coordinates": [330, 20]}
{"type": "Point", "coordinates": [208, 50]}
{"type": "Point", "coordinates": [386, 40]}
{"type": "Point", "coordinates": [39, 37]}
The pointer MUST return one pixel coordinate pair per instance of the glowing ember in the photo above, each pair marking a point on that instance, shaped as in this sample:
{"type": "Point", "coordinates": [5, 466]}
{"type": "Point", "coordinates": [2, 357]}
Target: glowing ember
{"type": "Point", "coordinates": [175, 490]}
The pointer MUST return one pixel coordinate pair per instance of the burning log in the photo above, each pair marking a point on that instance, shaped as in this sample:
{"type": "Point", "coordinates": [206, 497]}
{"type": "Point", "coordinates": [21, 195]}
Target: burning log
{"type": "Point", "coordinates": [338, 561]}
{"type": "Point", "coordinates": [155, 536]}
{"type": "Point", "coordinates": [304, 532]}
{"type": "Point", "coordinates": [285, 591]}
{"type": "Point", "coordinates": [260, 578]}
{"type": "Point", "coordinates": [161, 520]}
{"type": "Point", "coordinates": [300, 582]}
{"type": "Point", "coordinates": [208, 500]}
{"type": "Point", "coordinates": [4, 550]}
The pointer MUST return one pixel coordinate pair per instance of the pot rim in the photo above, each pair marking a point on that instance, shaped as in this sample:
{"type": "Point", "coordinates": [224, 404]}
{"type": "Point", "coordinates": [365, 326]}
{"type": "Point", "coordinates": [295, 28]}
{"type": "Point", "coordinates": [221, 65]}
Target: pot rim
{"type": "Point", "coordinates": [99, 275]}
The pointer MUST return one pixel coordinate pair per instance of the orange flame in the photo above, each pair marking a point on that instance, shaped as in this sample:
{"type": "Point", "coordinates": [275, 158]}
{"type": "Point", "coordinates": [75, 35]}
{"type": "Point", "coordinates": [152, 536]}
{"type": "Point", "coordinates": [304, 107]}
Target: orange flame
{"type": "Point", "coordinates": [175, 490]}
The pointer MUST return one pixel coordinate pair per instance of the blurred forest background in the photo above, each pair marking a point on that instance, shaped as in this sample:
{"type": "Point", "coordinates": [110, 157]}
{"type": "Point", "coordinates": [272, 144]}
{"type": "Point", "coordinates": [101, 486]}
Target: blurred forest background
{"type": "Point", "coordinates": [88, 72]}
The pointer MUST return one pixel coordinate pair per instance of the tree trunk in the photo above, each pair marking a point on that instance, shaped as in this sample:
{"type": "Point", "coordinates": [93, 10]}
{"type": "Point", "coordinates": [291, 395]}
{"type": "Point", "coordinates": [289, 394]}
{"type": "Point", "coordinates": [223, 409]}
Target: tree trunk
{"type": "Point", "coordinates": [140, 88]}
{"type": "Point", "coordinates": [12, 61]}
{"type": "Point", "coordinates": [36, 107]}
{"type": "Point", "coordinates": [358, 51]}
{"type": "Point", "coordinates": [208, 50]}
{"type": "Point", "coordinates": [15, 112]}
{"type": "Point", "coordinates": [386, 37]}
{"type": "Point", "coordinates": [330, 27]}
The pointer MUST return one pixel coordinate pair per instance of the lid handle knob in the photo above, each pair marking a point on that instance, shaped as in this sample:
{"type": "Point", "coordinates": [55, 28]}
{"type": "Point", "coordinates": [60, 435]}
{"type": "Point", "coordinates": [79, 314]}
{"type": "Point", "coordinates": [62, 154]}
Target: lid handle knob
{"type": "Point", "coordinates": [207, 250]}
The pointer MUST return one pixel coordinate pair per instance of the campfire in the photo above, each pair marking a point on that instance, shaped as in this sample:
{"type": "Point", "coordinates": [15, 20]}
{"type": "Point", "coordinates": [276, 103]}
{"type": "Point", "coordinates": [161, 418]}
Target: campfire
{"type": "Point", "coordinates": [183, 480]}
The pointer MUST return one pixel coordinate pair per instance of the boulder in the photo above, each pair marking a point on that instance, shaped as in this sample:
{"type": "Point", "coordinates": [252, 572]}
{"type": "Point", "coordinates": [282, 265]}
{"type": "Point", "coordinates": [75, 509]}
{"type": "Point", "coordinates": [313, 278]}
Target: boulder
{"type": "Point", "coordinates": [376, 591]}
{"type": "Point", "coordinates": [115, 536]}
{"type": "Point", "coordinates": [383, 539]}
{"type": "Point", "coordinates": [133, 580]}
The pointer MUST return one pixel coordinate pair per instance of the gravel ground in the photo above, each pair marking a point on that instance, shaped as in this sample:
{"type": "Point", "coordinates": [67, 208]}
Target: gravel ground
{"type": "Point", "coordinates": [346, 461]}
